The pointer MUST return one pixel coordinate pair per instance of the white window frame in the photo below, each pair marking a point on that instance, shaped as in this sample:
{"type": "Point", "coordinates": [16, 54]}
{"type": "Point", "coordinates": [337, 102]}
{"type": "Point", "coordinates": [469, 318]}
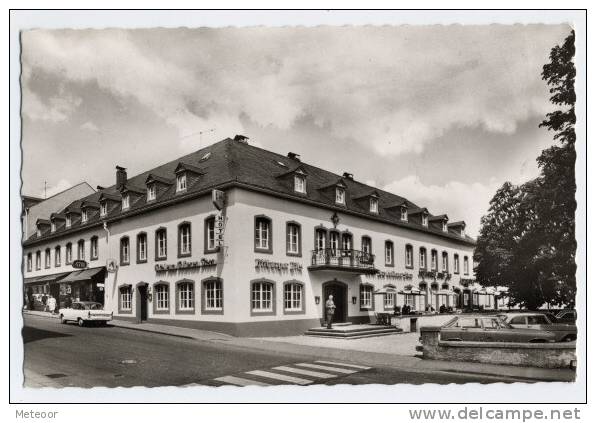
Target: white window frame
{"type": "Point", "coordinates": [57, 256]}
{"type": "Point", "coordinates": [80, 250]}
{"type": "Point", "coordinates": [409, 256]}
{"type": "Point", "coordinates": [293, 238]}
{"type": "Point", "coordinates": [389, 253]}
{"type": "Point", "coordinates": [366, 245]}
{"type": "Point", "coordinates": [93, 248]}
{"type": "Point", "coordinates": [126, 298]}
{"type": "Point", "coordinates": [434, 258]}
{"type": "Point", "coordinates": [374, 205]}
{"type": "Point", "coordinates": [185, 240]}
{"type": "Point", "coordinates": [181, 182]}
{"type": "Point", "coordinates": [262, 234]}
{"type": "Point", "coordinates": [162, 297]}
{"type": "Point", "coordinates": [213, 295]}
{"type": "Point", "coordinates": [422, 258]}
{"type": "Point", "coordinates": [126, 202]}
{"type": "Point", "coordinates": [404, 214]}
{"type": "Point", "coordinates": [68, 254]}
{"type": "Point", "coordinates": [424, 219]}
{"type": "Point", "coordinates": [444, 226]}
{"type": "Point", "coordinates": [103, 209]}
{"type": "Point", "coordinates": [388, 300]}
{"type": "Point", "coordinates": [84, 216]}
{"type": "Point", "coordinates": [456, 263]}
{"type": "Point", "coordinates": [300, 183]}
{"type": "Point", "coordinates": [162, 244]}
{"type": "Point", "coordinates": [261, 297]}
{"type": "Point", "coordinates": [48, 258]}
{"type": "Point", "coordinates": [125, 250]}
{"type": "Point", "coordinates": [340, 195]}
{"type": "Point", "coordinates": [151, 192]}
{"type": "Point", "coordinates": [211, 234]}
{"type": "Point", "coordinates": [53, 226]}
{"type": "Point", "coordinates": [366, 293]}
{"type": "Point", "coordinates": [334, 240]}
{"type": "Point", "coordinates": [142, 246]}
{"type": "Point", "coordinates": [321, 240]}
{"type": "Point", "coordinates": [186, 299]}
{"type": "Point", "coordinates": [293, 296]}
{"type": "Point", "coordinates": [68, 221]}
{"type": "Point", "coordinates": [466, 266]}
{"type": "Point", "coordinates": [29, 262]}
{"type": "Point", "coordinates": [444, 262]}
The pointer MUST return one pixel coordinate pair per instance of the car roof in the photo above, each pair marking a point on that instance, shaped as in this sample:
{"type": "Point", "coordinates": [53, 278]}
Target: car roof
{"type": "Point", "coordinates": [477, 316]}
{"type": "Point", "coordinates": [86, 302]}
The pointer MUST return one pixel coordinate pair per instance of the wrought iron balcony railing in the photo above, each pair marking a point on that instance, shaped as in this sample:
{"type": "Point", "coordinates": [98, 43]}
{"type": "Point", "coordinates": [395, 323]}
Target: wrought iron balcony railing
{"type": "Point", "coordinates": [342, 259]}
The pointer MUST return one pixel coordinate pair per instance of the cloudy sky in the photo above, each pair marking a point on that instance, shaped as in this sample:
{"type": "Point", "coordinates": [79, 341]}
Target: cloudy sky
{"type": "Point", "coordinates": [440, 114]}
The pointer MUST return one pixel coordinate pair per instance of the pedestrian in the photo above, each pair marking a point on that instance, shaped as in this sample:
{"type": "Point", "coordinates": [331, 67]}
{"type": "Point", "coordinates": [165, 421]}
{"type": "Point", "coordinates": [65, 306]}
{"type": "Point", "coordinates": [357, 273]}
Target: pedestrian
{"type": "Point", "coordinates": [329, 310]}
{"type": "Point", "coordinates": [44, 301]}
{"type": "Point", "coordinates": [51, 304]}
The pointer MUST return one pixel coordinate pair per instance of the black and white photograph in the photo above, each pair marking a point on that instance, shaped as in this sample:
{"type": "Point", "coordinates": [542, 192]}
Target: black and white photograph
{"type": "Point", "coordinates": [248, 207]}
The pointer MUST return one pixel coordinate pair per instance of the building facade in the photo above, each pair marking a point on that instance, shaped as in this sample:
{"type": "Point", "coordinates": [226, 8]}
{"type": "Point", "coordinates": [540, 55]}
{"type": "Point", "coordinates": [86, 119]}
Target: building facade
{"type": "Point", "coordinates": [238, 239]}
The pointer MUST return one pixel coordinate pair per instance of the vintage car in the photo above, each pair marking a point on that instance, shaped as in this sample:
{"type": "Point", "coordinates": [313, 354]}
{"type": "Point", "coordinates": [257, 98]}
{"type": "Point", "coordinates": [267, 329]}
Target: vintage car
{"type": "Point", "coordinates": [566, 316]}
{"type": "Point", "coordinates": [489, 328]}
{"type": "Point", "coordinates": [563, 331]}
{"type": "Point", "coordinates": [83, 312]}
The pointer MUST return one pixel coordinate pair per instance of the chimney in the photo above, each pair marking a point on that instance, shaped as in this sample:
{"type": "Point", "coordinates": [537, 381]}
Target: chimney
{"type": "Point", "coordinates": [349, 176]}
{"type": "Point", "coordinates": [294, 156]}
{"type": "Point", "coordinates": [100, 188]}
{"type": "Point", "coordinates": [241, 138]}
{"type": "Point", "coordinates": [120, 177]}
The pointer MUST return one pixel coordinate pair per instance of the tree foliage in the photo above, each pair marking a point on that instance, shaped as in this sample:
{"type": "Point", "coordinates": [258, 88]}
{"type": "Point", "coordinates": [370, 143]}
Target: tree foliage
{"type": "Point", "coordinates": [527, 239]}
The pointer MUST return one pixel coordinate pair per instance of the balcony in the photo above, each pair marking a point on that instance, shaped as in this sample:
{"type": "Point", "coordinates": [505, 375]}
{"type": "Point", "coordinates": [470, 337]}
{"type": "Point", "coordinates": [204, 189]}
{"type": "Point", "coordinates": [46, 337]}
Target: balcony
{"type": "Point", "coordinates": [353, 261]}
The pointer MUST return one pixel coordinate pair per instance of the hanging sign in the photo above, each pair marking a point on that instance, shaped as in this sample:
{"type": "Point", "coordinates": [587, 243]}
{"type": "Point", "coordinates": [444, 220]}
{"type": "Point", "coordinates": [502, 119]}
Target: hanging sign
{"type": "Point", "coordinates": [219, 198]}
{"type": "Point", "coordinates": [219, 230]}
{"type": "Point", "coordinates": [79, 264]}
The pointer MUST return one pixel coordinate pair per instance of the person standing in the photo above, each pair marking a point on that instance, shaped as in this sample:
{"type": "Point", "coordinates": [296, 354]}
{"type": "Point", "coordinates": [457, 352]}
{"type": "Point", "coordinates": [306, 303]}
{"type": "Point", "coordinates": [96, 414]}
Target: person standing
{"type": "Point", "coordinates": [51, 304]}
{"type": "Point", "coordinates": [329, 310]}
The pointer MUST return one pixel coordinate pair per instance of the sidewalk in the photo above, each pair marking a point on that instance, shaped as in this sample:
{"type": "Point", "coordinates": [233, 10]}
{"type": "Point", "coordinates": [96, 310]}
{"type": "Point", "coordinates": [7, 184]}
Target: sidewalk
{"type": "Point", "coordinates": [395, 351]}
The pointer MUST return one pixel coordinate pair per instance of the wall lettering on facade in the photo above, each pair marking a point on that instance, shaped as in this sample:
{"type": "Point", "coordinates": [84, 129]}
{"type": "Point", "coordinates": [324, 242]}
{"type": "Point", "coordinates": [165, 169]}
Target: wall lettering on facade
{"type": "Point", "coordinates": [262, 264]}
{"type": "Point", "coordinates": [185, 265]}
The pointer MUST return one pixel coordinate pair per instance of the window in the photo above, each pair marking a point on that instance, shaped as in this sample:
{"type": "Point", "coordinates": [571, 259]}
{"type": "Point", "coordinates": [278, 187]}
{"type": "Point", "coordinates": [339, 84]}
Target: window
{"type": "Point", "coordinates": [151, 191]}
{"type": "Point", "coordinates": [346, 241]}
{"type": "Point", "coordinates": [433, 260]}
{"type": "Point", "coordinates": [300, 184]}
{"type": "Point", "coordinates": [366, 296]}
{"type": "Point", "coordinates": [141, 248]}
{"type": "Point", "coordinates": [374, 205]}
{"type": "Point", "coordinates": [68, 221]}
{"type": "Point", "coordinates": [93, 253]}
{"type": "Point", "coordinates": [186, 299]}
{"type": "Point", "coordinates": [68, 253]}
{"type": "Point", "coordinates": [320, 238]}
{"type": "Point", "coordinates": [538, 320]}
{"type": "Point", "coordinates": [389, 253]}
{"type": "Point", "coordinates": [455, 263]}
{"type": "Point", "coordinates": [184, 240]}
{"type": "Point", "coordinates": [444, 226]}
{"type": "Point", "coordinates": [424, 219]}
{"type": "Point", "coordinates": [103, 209]}
{"type": "Point", "coordinates": [404, 214]}
{"type": "Point", "coordinates": [422, 261]}
{"type": "Point", "coordinates": [462, 232]}
{"type": "Point", "coordinates": [53, 226]}
{"type": "Point", "coordinates": [38, 233]}
{"type": "Point", "coordinates": [29, 262]}
{"type": "Point", "coordinates": [81, 249]}
{"type": "Point", "coordinates": [47, 258]}
{"type": "Point", "coordinates": [161, 244]}
{"type": "Point", "coordinates": [181, 182]}
{"type": "Point", "coordinates": [293, 239]}
{"type": "Point", "coordinates": [263, 234]}
{"type": "Point", "coordinates": [518, 320]}
{"type": "Point", "coordinates": [409, 256]}
{"type": "Point", "coordinates": [210, 244]}
{"type": "Point", "coordinates": [293, 297]}
{"type": "Point", "coordinates": [125, 202]}
{"type": "Point", "coordinates": [162, 297]}
{"type": "Point", "coordinates": [466, 265]}
{"type": "Point", "coordinates": [340, 195]}
{"type": "Point", "coordinates": [125, 298]}
{"type": "Point", "coordinates": [334, 241]}
{"type": "Point", "coordinates": [84, 216]}
{"type": "Point", "coordinates": [366, 245]}
{"type": "Point", "coordinates": [409, 301]}
{"type": "Point", "coordinates": [124, 251]}
{"type": "Point", "coordinates": [213, 295]}
{"type": "Point", "coordinates": [57, 258]}
{"type": "Point", "coordinates": [445, 262]}
{"type": "Point", "coordinates": [388, 301]}
{"type": "Point", "coordinates": [262, 300]}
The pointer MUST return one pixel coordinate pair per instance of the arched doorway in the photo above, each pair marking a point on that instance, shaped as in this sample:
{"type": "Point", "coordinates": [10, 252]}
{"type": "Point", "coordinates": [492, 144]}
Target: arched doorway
{"type": "Point", "coordinates": [339, 290]}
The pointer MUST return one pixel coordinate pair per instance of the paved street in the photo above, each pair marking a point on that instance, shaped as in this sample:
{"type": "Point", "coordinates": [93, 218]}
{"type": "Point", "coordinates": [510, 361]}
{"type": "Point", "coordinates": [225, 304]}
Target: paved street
{"type": "Point", "coordinates": [67, 355]}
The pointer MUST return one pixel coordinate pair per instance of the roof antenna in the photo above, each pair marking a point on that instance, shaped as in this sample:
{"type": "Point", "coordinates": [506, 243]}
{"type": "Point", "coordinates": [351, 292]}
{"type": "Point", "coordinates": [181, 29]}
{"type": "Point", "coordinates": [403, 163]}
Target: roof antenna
{"type": "Point", "coordinates": [45, 189]}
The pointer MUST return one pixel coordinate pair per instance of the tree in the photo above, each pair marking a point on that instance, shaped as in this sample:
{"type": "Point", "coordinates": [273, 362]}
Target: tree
{"type": "Point", "coordinates": [527, 239]}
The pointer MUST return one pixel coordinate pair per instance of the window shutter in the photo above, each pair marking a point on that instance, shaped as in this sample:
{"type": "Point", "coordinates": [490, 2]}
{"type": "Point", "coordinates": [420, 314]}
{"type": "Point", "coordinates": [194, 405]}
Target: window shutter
{"type": "Point", "coordinates": [288, 236]}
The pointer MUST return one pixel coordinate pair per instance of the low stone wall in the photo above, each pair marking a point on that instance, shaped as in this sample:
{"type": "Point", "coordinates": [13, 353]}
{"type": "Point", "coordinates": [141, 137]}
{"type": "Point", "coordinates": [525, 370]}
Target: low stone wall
{"type": "Point", "coordinates": [550, 355]}
{"type": "Point", "coordinates": [413, 323]}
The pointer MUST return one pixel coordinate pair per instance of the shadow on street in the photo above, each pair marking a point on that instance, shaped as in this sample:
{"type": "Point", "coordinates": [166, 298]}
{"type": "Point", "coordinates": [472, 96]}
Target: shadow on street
{"type": "Point", "coordinates": [33, 334]}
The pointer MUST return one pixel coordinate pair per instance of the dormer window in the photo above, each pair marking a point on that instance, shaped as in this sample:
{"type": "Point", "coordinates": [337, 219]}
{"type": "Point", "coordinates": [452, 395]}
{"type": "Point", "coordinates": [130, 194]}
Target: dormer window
{"type": "Point", "coordinates": [424, 220]}
{"type": "Point", "coordinates": [340, 195]}
{"type": "Point", "coordinates": [374, 205]}
{"type": "Point", "coordinates": [68, 221]}
{"type": "Point", "coordinates": [125, 202]}
{"type": "Point", "coordinates": [84, 216]}
{"type": "Point", "coordinates": [151, 192]}
{"type": "Point", "coordinates": [404, 214]}
{"type": "Point", "coordinates": [53, 226]}
{"type": "Point", "coordinates": [38, 233]}
{"type": "Point", "coordinates": [103, 209]}
{"type": "Point", "coordinates": [181, 182]}
{"type": "Point", "coordinates": [463, 233]}
{"type": "Point", "coordinates": [444, 226]}
{"type": "Point", "coordinates": [300, 183]}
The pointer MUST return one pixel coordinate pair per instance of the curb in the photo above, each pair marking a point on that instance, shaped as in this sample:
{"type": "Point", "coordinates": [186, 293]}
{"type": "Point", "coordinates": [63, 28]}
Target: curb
{"type": "Point", "coordinates": [152, 331]}
{"type": "Point", "coordinates": [41, 314]}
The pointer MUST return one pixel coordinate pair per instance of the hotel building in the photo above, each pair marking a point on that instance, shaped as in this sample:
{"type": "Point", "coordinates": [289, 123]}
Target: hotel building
{"type": "Point", "coordinates": [242, 240]}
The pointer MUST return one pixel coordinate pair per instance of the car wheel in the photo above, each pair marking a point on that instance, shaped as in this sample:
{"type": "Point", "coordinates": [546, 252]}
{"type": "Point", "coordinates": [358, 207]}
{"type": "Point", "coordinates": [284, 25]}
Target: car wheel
{"type": "Point", "coordinates": [63, 320]}
{"type": "Point", "coordinates": [81, 322]}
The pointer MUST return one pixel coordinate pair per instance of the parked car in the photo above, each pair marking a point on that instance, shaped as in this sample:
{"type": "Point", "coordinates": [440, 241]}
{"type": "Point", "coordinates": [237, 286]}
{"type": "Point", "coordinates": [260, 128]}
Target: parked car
{"type": "Point", "coordinates": [490, 328]}
{"type": "Point", "coordinates": [541, 321]}
{"type": "Point", "coordinates": [83, 312]}
{"type": "Point", "coordinates": [566, 316]}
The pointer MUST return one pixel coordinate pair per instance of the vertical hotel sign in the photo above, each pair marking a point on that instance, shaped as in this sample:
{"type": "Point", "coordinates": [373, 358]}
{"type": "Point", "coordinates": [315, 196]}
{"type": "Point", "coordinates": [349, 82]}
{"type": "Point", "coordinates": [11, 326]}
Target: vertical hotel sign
{"type": "Point", "coordinates": [219, 201]}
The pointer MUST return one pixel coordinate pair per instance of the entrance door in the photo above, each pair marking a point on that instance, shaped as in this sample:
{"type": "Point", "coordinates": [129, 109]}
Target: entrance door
{"type": "Point", "coordinates": [339, 290]}
{"type": "Point", "coordinates": [142, 304]}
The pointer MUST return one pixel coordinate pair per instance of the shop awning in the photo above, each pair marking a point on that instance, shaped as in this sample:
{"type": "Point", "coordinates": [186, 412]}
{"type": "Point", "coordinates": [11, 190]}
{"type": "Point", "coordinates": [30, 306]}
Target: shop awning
{"type": "Point", "coordinates": [386, 290]}
{"type": "Point", "coordinates": [45, 278]}
{"type": "Point", "coordinates": [82, 275]}
{"type": "Point", "coordinates": [412, 291]}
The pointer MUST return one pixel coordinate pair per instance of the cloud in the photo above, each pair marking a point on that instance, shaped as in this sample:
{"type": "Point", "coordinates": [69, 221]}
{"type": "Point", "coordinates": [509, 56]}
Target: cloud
{"type": "Point", "coordinates": [393, 89]}
{"type": "Point", "coordinates": [89, 126]}
{"type": "Point", "coordinates": [460, 201]}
